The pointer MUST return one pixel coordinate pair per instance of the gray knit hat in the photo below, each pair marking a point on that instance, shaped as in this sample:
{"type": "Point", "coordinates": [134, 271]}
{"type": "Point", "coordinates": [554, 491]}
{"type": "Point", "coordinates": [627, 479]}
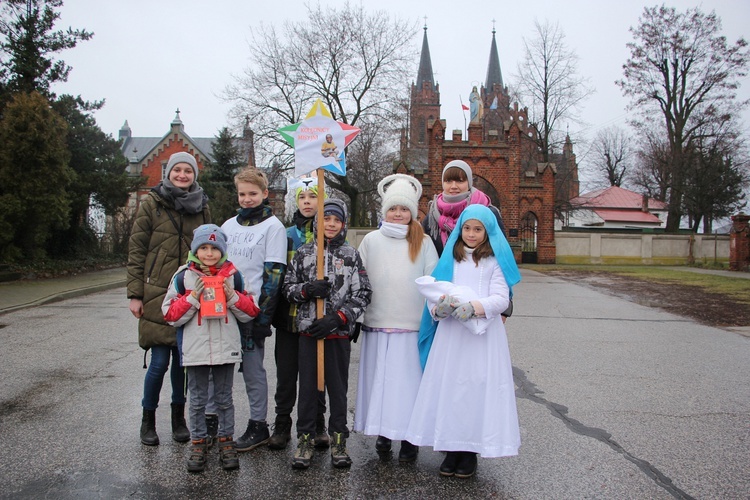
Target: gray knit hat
{"type": "Point", "coordinates": [181, 157]}
{"type": "Point", "coordinates": [210, 234]}
{"type": "Point", "coordinates": [463, 166]}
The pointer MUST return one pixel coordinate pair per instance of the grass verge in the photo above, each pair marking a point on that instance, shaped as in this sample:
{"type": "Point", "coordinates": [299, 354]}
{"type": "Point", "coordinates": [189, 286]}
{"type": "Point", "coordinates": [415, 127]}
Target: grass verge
{"type": "Point", "coordinates": [736, 288]}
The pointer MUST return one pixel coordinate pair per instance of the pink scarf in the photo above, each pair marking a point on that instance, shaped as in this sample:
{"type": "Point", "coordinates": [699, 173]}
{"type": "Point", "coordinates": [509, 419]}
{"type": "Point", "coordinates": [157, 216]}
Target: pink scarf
{"type": "Point", "coordinates": [450, 212]}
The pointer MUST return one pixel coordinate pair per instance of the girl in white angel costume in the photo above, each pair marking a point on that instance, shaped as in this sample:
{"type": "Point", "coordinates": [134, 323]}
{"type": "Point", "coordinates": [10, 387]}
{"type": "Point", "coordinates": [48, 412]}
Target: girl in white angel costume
{"type": "Point", "coordinates": [466, 401]}
{"type": "Point", "coordinates": [389, 371]}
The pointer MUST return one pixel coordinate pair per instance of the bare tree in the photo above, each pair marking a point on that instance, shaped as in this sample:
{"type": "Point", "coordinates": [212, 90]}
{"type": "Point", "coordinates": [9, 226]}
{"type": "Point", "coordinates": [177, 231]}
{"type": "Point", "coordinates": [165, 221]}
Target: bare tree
{"type": "Point", "coordinates": [612, 153]}
{"type": "Point", "coordinates": [651, 169]}
{"type": "Point", "coordinates": [356, 62]}
{"type": "Point", "coordinates": [549, 85]}
{"type": "Point", "coordinates": [681, 65]}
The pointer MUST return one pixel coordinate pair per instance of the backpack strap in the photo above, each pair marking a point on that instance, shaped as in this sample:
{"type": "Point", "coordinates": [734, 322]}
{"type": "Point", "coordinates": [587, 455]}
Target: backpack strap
{"type": "Point", "coordinates": [179, 282]}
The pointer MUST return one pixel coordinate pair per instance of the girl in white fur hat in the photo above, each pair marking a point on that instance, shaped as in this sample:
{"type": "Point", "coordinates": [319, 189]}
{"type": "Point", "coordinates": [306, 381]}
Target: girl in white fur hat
{"type": "Point", "coordinates": [389, 372]}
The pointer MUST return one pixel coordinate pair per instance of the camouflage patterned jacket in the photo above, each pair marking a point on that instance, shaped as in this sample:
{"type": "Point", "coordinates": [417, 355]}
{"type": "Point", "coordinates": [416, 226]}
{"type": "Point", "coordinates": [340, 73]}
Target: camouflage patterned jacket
{"type": "Point", "coordinates": [351, 291]}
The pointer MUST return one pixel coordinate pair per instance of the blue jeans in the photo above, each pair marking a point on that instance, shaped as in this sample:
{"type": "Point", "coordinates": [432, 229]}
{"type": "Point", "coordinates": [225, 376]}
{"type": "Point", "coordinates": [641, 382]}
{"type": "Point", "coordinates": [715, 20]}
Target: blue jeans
{"type": "Point", "coordinates": [155, 377]}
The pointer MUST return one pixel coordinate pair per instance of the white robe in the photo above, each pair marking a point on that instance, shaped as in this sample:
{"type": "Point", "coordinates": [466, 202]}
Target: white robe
{"type": "Point", "coordinates": [466, 399]}
{"type": "Point", "coordinates": [389, 369]}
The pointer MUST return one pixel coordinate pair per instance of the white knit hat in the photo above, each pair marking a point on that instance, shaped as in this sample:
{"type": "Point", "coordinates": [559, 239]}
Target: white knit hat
{"type": "Point", "coordinates": [400, 189]}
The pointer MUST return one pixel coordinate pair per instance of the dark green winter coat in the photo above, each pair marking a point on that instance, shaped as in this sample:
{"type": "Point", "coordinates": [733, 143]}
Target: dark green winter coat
{"type": "Point", "coordinates": [155, 253]}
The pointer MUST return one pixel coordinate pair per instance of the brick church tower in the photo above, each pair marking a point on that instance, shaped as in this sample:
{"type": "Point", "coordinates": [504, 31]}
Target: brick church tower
{"type": "Point", "coordinates": [505, 162]}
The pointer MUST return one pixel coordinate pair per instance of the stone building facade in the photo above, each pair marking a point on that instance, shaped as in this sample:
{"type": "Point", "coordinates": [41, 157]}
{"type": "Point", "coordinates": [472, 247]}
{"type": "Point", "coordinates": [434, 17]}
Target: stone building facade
{"type": "Point", "coordinates": [499, 149]}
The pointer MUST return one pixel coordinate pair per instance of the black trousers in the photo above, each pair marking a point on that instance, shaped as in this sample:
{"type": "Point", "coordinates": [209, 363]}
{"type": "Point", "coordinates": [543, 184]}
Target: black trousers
{"type": "Point", "coordinates": [337, 354]}
{"type": "Point", "coordinates": [286, 353]}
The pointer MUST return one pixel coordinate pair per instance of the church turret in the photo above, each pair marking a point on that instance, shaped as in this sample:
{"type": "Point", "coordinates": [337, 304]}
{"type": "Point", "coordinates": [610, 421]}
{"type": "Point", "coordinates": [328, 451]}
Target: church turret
{"type": "Point", "coordinates": [425, 66]}
{"type": "Point", "coordinates": [495, 95]}
{"type": "Point", "coordinates": [425, 102]}
{"type": "Point", "coordinates": [494, 75]}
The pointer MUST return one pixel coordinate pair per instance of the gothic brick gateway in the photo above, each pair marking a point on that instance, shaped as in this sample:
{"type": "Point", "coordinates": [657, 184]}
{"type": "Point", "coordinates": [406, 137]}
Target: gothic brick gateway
{"type": "Point", "coordinates": [504, 161]}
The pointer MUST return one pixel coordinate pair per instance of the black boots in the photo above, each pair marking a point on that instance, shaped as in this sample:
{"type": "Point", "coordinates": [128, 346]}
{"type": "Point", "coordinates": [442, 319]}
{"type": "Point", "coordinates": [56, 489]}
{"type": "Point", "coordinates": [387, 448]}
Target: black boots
{"type": "Point", "coordinates": [255, 435]}
{"type": "Point", "coordinates": [382, 444]}
{"type": "Point", "coordinates": [282, 433]}
{"type": "Point", "coordinates": [467, 464]}
{"type": "Point", "coordinates": [408, 452]}
{"type": "Point", "coordinates": [148, 428]}
{"type": "Point", "coordinates": [180, 432]}
{"type": "Point", "coordinates": [321, 440]}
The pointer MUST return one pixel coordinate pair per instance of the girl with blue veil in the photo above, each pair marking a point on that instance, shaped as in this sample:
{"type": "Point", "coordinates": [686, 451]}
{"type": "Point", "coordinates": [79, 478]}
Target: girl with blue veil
{"type": "Point", "coordinates": [466, 400]}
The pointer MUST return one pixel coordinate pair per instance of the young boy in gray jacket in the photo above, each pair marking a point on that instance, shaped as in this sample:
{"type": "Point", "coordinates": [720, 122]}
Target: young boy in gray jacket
{"type": "Point", "coordinates": [209, 343]}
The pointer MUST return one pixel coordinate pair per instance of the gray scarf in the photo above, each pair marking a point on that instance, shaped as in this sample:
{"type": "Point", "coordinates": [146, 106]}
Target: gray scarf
{"type": "Point", "coordinates": [191, 201]}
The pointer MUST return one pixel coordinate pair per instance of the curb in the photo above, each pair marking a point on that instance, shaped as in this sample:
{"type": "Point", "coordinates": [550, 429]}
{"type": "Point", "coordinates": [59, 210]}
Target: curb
{"type": "Point", "coordinates": [68, 294]}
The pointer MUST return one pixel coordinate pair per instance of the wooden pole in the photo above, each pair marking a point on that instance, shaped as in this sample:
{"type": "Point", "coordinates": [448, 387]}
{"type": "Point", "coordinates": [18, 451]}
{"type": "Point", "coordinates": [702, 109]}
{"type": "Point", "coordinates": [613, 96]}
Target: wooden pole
{"type": "Point", "coordinates": [321, 274]}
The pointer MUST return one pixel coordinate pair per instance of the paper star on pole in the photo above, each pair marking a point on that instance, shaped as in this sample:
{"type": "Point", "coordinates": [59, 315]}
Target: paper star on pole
{"type": "Point", "coordinates": [319, 141]}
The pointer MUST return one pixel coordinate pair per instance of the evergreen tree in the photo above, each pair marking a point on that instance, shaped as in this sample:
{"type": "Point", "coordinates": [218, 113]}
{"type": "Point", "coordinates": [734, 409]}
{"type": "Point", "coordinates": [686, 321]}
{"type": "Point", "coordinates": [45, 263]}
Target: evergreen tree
{"type": "Point", "coordinates": [34, 174]}
{"type": "Point", "coordinates": [28, 40]}
{"type": "Point", "coordinates": [218, 177]}
{"type": "Point", "coordinates": [99, 177]}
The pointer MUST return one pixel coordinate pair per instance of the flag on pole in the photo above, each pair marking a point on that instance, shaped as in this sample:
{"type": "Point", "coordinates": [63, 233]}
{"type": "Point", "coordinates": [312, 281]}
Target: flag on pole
{"type": "Point", "coordinates": [464, 107]}
{"type": "Point", "coordinates": [319, 141]}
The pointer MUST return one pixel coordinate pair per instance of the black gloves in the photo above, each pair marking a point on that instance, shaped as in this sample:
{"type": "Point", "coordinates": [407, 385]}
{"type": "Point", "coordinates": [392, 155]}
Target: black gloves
{"type": "Point", "coordinates": [318, 289]}
{"type": "Point", "coordinates": [323, 327]}
{"type": "Point", "coordinates": [509, 311]}
{"type": "Point", "coordinates": [261, 331]}
{"type": "Point", "coordinates": [355, 334]}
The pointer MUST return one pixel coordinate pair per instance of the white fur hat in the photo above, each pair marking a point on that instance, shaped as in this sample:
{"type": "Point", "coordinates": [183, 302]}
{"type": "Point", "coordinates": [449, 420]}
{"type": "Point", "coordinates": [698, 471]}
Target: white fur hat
{"type": "Point", "coordinates": [400, 189]}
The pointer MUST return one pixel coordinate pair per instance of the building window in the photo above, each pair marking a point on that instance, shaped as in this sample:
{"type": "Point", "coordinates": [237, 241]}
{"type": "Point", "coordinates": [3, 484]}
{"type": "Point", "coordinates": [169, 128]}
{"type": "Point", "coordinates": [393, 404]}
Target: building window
{"type": "Point", "coordinates": [163, 169]}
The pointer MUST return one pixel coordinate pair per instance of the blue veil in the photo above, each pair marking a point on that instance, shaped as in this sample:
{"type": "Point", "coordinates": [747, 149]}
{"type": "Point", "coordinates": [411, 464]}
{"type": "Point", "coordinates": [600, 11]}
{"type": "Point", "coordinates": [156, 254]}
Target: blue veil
{"type": "Point", "coordinates": [444, 269]}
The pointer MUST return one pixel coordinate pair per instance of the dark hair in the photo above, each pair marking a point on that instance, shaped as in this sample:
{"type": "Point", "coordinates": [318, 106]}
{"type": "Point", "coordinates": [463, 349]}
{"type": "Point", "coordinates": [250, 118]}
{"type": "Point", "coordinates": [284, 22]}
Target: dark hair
{"type": "Point", "coordinates": [484, 249]}
{"type": "Point", "coordinates": [455, 174]}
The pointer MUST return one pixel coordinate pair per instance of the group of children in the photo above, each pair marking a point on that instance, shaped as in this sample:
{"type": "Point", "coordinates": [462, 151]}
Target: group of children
{"type": "Point", "coordinates": [434, 370]}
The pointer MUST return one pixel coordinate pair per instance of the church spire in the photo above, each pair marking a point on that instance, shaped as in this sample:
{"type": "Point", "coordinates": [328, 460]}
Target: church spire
{"type": "Point", "coordinates": [494, 76]}
{"type": "Point", "coordinates": [425, 65]}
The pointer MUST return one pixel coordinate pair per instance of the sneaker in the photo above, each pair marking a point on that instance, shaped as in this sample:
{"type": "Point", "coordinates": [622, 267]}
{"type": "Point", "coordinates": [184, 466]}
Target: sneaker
{"type": "Point", "coordinates": [322, 439]}
{"type": "Point", "coordinates": [408, 452]}
{"type": "Point", "coordinates": [197, 459]}
{"type": "Point", "coordinates": [339, 457]}
{"type": "Point", "coordinates": [212, 428]}
{"type": "Point", "coordinates": [228, 454]}
{"type": "Point", "coordinates": [383, 444]}
{"type": "Point", "coordinates": [304, 453]}
{"type": "Point", "coordinates": [255, 435]}
{"type": "Point", "coordinates": [282, 433]}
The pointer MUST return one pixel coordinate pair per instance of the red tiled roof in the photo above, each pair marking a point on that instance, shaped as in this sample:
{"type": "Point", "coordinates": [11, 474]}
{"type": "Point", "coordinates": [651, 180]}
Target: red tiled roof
{"type": "Point", "coordinates": [627, 216]}
{"type": "Point", "coordinates": [615, 197]}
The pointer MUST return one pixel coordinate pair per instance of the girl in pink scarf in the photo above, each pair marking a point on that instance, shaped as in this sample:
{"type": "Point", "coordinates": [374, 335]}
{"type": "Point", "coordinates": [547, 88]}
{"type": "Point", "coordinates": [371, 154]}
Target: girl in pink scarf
{"type": "Point", "coordinates": [445, 209]}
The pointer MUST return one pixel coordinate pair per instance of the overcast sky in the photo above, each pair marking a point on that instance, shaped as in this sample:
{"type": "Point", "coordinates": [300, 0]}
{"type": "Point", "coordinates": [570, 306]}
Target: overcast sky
{"type": "Point", "coordinates": [147, 58]}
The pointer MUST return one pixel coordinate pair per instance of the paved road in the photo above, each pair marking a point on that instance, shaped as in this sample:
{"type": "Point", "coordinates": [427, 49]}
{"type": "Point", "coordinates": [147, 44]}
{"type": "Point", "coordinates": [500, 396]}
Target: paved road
{"type": "Point", "coordinates": [615, 400]}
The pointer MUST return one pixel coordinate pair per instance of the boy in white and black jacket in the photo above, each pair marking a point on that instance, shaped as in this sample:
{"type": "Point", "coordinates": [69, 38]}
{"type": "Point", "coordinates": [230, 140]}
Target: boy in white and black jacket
{"type": "Point", "coordinates": [346, 290]}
